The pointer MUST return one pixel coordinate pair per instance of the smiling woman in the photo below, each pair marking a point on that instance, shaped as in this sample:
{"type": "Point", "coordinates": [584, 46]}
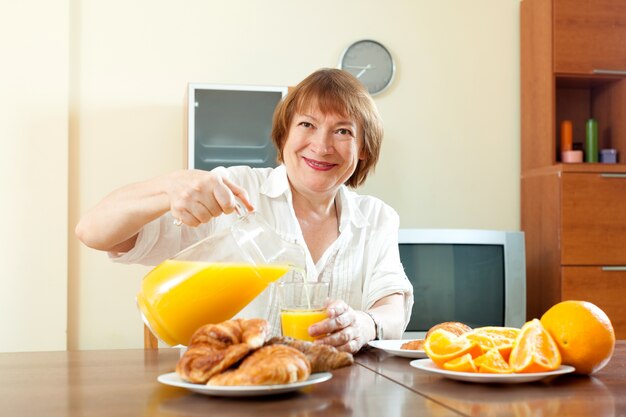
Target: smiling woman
{"type": "Point", "coordinates": [328, 134]}
{"type": "Point", "coordinates": [334, 93]}
{"type": "Point", "coordinates": [326, 144]}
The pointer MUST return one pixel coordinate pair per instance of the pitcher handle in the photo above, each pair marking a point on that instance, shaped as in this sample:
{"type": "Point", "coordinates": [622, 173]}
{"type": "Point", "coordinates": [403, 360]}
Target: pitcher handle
{"type": "Point", "coordinates": [240, 209]}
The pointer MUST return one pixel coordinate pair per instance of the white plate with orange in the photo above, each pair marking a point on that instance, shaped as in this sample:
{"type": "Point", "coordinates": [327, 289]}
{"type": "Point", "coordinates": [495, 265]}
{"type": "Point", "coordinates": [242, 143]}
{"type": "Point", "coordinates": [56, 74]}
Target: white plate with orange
{"type": "Point", "coordinates": [393, 347]}
{"type": "Point", "coordinates": [428, 365]}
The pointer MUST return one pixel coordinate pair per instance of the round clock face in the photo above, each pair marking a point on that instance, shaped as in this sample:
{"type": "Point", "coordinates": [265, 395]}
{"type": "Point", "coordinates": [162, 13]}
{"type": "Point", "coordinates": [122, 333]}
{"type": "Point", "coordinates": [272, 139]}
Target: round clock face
{"type": "Point", "coordinates": [371, 63]}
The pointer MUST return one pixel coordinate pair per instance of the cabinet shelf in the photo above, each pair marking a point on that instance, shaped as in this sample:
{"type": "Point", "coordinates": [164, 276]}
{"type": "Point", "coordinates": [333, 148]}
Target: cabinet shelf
{"type": "Point", "coordinates": [583, 168]}
{"type": "Point", "coordinates": [588, 81]}
{"type": "Point", "coordinates": [579, 98]}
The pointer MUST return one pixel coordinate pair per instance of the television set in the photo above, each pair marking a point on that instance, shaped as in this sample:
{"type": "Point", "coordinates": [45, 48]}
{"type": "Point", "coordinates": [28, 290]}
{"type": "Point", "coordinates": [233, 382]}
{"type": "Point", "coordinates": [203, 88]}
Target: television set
{"type": "Point", "coordinates": [231, 124]}
{"type": "Point", "coordinates": [477, 277]}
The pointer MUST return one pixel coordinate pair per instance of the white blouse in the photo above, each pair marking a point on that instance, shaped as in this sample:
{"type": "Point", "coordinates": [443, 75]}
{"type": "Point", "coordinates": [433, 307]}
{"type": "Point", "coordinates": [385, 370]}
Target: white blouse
{"type": "Point", "coordinates": [362, 265]}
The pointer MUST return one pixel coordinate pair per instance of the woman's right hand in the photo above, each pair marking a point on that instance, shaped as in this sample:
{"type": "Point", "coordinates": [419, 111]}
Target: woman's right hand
{"type": "Point", "coordinates": [192, 196]}
{"type": "Point", "coordinates": [196, 196]}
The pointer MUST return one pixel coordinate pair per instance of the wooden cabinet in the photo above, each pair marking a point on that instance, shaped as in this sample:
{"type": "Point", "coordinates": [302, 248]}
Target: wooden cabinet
{"type": "Point", "coordinates": [589, 36]}
{"type": "Point", "coordinates": [593, 219]}
{"type": "Point", "coordinates": [573, 67]}
{"type": "Point", "coordinates": [603, 286]}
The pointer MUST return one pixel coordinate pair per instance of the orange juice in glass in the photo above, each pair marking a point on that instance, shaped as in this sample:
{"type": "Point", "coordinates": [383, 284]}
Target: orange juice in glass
{"type": "Point", "coordinates": [179, 296]}
{"type": "Point", "coordinates": [301, 305]}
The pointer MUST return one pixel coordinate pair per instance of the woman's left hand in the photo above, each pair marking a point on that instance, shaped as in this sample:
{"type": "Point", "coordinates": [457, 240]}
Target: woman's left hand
{"type": "Point", "coordinates": [345, 328]}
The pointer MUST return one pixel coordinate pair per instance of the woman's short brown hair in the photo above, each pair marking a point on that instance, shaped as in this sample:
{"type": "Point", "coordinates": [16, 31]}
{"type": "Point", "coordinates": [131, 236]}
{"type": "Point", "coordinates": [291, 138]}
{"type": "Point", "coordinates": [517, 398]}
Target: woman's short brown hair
{"type": "Point", "coordinates": [333, 91]}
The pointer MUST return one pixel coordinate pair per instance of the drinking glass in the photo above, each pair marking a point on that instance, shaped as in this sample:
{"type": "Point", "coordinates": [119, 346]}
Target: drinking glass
{"type": "Point", "coordinates": [301, 305]}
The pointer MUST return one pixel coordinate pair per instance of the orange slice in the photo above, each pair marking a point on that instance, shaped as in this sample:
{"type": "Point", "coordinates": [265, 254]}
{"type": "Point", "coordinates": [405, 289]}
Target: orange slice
{"type": "Point", "coordinates": [492, 362]}
{"type": "Point", "coordinates": [534, 350]}
{"type": "Point", "coordinates": [500, 332]}
{"type": "Point", "coordinates": [463, 363]}
{"type": "Point", "coordinates": [501, 338]}
{"type": "Point", "coordinates": [442, 346]}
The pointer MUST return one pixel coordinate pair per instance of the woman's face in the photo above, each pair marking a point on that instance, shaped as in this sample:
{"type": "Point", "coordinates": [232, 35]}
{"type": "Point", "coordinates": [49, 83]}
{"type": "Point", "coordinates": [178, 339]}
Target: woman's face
{"type": "Point", "coordinates": [321, 151]}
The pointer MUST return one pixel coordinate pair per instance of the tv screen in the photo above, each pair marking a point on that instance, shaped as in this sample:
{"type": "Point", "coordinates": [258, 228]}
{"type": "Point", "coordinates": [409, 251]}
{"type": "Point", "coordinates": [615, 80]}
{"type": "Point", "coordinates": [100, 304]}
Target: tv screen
{"type": "Point", "coordinates": [231, 125]}
{"type": "Point", "coordinates": [451, 281]}
{"type": "Point", "coordinates": [476, 277]}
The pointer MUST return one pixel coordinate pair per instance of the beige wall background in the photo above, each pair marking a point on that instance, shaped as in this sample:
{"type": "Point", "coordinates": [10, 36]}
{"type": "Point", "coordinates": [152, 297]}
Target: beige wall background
{"type": "Point", "coordinates": [93, 98]}
{"type": "Point", "coordinates": [34, 139]}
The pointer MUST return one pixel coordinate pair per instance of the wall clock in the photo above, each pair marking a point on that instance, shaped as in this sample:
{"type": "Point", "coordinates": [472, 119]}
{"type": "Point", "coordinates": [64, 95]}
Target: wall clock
{"type": "Point", "coordinates": [370, 62]}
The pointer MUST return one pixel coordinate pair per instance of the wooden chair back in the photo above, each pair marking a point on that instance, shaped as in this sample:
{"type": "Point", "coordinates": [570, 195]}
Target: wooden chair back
{"type": "Point", "coordinates": [149, 340]}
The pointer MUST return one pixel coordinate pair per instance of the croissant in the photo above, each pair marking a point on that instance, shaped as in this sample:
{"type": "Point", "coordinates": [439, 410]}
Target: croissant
{"type": "Point", "coordinates": [417, 344]}
{"type": "Point", "coordinates": [253, 332]}
{"type": "Point", "coordinates": [455, 327]}
{"type": "Point", "coordinates": [270, 365]}
{"type": "Point", "coordinates": [322, 357]}
{"type": "Point", "coordinates": [213, 348]}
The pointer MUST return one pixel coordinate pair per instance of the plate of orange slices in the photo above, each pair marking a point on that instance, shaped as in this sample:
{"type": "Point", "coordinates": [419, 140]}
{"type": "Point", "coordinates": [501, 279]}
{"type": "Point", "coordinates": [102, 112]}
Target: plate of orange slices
{"type": "Point", "coordinates": [494, 354]}
{"type": "Point", "coordinates": [489, 378]}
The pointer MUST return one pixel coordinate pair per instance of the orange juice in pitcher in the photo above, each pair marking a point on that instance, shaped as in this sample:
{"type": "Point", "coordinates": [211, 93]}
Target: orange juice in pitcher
{"type": "Point", "coordinates": [214, 279]}
{"type": "Point", "coordinates": [177, 297]}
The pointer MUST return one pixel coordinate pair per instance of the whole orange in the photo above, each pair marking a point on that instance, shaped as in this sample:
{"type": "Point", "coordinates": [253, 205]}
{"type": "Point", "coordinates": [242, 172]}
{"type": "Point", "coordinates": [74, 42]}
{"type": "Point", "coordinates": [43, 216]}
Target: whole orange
{"type": "Point", "coordinates": [583, 333]}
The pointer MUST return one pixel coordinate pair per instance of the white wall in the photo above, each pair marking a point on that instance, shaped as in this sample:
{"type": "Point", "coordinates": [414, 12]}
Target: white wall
{"type": "Point", "coordinates": [33, 175]}
{"type": "Point", "coordinates": [450, 156]}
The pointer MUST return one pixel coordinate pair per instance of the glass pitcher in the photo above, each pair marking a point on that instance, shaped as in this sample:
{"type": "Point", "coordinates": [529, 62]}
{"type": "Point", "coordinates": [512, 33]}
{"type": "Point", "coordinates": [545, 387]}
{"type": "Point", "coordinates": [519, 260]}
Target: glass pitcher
{"type": "Point", "coordinates": [214, 279]}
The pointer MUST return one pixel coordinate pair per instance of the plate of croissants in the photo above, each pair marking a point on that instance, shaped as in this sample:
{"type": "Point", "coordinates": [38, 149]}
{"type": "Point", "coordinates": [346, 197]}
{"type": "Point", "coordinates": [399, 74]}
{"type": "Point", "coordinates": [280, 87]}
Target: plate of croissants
{"type": "Point", "coordinates": [403, 348]}
{"type": "Point", "coordinates": [238, 358]}
{"type": "Point", "coordinates": [243, 390]}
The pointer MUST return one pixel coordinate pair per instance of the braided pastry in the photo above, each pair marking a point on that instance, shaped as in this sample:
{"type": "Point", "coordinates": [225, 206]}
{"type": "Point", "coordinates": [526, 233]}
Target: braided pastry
{"type": "Point", "coordinates": [269, 365]}
{"type": "Point", "coordinates": [322, 357]}
{"type": "Point", "coordinates": [213, 348]}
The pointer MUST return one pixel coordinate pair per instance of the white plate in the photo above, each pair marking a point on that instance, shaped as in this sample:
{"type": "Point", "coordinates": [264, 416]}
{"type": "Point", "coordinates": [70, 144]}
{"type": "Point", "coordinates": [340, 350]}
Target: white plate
{"type": "Point", "coordinates": [393, 347]}
{"type": "Point", "coordinates": [429, 366]}
{"type": "Point", "coordinates": [242, 391]}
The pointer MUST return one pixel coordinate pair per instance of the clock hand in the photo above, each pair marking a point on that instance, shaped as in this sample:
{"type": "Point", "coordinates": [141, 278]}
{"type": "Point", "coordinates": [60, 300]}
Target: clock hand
{"type": "Point", "coordinates": [365, 68]}
{"type": "Point", "coordinates": [355, 66]}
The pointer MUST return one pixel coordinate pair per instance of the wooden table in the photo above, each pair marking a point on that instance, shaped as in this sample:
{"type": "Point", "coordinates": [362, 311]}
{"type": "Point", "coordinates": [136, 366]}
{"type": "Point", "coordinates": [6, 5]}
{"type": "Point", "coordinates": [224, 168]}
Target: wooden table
{"type": "Point", "coordinates": [123, 383]}
{"type": "Point", "coordinates": [601, 395]}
